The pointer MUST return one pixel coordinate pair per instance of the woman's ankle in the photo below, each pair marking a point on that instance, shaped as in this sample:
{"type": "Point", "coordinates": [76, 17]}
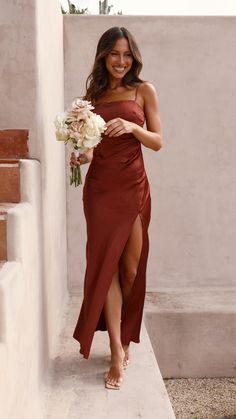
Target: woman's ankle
{"type": "Point", "coordinates": [116, 348]}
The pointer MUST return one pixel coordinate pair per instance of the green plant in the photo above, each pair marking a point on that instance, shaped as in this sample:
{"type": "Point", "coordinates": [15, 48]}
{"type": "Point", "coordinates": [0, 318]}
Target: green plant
{"type": "Point", "coordinates": [74, 10]}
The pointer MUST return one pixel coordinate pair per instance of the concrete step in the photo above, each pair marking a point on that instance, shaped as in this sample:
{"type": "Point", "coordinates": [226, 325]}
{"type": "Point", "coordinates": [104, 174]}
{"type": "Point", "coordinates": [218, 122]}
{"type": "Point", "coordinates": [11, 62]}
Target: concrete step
{"type": "Point", "coordinates": [23, 326]}
{"type": "Point", "coordinates": [14, 143]}
{"type": "Point", "coordinates": [18, 239]}
{"type": "Point", "coordinates": [16, 246]}
{"type": "Point", "coordinates": [20, 177]}
{"type": "Point", "coordinates": [193, 332]}
{"type": "Point", "coordinates": [9, 180]}
{"type": "Point", "coordinates": [77, 385]}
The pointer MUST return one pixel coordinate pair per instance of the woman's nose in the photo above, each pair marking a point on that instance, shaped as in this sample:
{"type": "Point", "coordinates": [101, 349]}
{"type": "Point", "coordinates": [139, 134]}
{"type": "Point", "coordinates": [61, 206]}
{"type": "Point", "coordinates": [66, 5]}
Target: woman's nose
{"type": "Point", "coordinates": [121, 59]}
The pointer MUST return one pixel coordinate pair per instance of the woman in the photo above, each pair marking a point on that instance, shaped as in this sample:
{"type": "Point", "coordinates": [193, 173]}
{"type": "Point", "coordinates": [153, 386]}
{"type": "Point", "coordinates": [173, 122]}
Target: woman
{"type": "Point", "coordinates": [117, 199]}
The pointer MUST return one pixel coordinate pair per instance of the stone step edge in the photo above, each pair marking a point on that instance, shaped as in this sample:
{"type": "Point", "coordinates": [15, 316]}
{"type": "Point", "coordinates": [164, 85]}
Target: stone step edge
{"type": "Point", "coordinates": [5, 207]}
{"type": "Point", "coordinates": [190, 301]}
{"type": "Point", "coordinates": [10, 162]}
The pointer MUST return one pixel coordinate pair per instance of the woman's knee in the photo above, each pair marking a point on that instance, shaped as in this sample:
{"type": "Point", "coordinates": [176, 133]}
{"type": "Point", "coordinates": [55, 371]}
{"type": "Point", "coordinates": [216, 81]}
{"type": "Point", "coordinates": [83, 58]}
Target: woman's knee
{"type": "Point", "coordinates": [128, 275]}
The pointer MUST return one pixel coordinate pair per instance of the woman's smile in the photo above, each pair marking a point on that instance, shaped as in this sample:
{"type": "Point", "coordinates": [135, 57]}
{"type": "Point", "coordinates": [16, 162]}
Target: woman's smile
{"type": "Point", "coordinates": [119, 69]}
{"type": "Point", "coordinates": [120, 59]}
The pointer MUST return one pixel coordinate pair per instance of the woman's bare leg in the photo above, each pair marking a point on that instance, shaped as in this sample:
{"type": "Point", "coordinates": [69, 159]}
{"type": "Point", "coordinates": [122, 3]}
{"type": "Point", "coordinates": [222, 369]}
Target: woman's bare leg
{"type": "Point", "coordinates": [112, 313]}
{"type": "Point", "coordinates": [129, 265]}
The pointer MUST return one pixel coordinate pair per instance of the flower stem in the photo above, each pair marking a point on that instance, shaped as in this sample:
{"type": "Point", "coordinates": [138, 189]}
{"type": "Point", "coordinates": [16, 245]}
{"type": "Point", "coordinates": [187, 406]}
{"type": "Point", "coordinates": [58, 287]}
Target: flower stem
{"type": "Point", "coordinates": [75, 176]}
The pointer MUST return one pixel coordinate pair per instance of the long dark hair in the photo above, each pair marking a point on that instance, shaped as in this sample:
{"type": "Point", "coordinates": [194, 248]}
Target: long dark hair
{"type": "Point", "coordinates": [98, 81]}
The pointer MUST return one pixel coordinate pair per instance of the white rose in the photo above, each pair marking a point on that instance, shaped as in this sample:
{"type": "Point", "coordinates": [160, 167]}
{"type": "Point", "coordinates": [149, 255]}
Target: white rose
{"type": "Point", "coordinates": [92, 130]}
{"type": "Point", "coordinates": [62, 132]}
{"type": "Point", "coordinates": [98, 121]}
{"type": "Point", "coordinates": [60, 119]}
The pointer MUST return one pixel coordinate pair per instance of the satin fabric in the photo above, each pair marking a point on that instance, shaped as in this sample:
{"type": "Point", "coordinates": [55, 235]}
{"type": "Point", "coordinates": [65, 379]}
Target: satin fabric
{"type": "Point", "coordinates": [116, 191]}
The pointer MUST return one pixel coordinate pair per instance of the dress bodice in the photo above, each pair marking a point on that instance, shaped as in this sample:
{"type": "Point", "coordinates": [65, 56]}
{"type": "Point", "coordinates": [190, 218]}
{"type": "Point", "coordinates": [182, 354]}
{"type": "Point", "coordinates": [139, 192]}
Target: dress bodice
{"type": "Point", "coordinates": [128, 109]}
{"type": "Point", "coordinates": [125, 145]}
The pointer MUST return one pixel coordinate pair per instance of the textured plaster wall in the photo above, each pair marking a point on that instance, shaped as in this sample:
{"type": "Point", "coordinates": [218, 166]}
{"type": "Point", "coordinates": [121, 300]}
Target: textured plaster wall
{"type": "Point", "coordinates": [32, 92]}
{"type": "Point", "coordinates": [18, 66]}
{"type": "Point", "coordinates": [192, 63]}
{"type": "Point", "coordinates": [50, 100]}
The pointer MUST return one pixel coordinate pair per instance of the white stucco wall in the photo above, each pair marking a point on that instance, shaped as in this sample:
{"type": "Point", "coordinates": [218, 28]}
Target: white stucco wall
{"type": "Point", "coordinates": [18, 66]}
{"type": "Point", "coordinates": [192, 63]}
{"type": "Point", "coordinates": [50, 100]}
{"type": "Point", "coordinates": [32, 92]}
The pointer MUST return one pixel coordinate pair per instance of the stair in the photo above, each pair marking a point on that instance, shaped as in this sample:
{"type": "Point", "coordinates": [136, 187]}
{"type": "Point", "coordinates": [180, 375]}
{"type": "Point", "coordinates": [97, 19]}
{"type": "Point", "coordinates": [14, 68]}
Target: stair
{"type": "Point", "coordinates": [14, 144]}
{"type": "Point", "coordinates": [3, 230]}
{"type": "Point", "coordinates": [13, 147]}
{"type": "Point", "coordinates": [193, 331]}
{"type": "Point", "coordinates": [20, 277]}
{"type": "Point", "coordinates": [9, 180]}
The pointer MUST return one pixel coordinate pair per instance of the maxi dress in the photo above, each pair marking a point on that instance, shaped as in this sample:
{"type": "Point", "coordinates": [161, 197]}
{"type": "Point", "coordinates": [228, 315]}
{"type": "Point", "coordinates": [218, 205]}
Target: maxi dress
{"type": "Point", "coordinates": [116, 191]}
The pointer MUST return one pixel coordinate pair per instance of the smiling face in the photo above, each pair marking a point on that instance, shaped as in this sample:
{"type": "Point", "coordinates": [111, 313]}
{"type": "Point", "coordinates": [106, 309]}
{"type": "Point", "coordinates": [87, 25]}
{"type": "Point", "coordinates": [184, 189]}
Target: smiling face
{"type": "Point", "coordinates": [119, 60]}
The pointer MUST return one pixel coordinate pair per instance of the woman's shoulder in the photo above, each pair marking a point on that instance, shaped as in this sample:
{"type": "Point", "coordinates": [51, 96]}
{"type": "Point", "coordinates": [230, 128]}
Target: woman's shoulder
{"type": "Point", "coordinates": [146, 88]}
{"type": "Point", "coordinates": [146, 93]}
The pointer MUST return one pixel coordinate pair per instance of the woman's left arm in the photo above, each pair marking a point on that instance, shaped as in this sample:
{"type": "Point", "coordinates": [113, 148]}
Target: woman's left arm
{"type": "Point", "coordinates": [150, 137]}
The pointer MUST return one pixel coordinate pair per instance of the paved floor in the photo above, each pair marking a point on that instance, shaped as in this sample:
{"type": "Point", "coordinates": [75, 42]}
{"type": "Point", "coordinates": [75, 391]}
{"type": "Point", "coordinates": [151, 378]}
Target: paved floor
{"type": "Point", "coordinates": [77, 385]}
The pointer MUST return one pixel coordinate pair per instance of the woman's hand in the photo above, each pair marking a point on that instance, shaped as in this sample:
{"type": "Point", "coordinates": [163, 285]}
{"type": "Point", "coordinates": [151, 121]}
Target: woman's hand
{"type": "Point", "coordinates": [82, 159]}
{"type": "Point", "coordinates": [119, 126]}
{"type": "Point", "coordinates": [150, 137]}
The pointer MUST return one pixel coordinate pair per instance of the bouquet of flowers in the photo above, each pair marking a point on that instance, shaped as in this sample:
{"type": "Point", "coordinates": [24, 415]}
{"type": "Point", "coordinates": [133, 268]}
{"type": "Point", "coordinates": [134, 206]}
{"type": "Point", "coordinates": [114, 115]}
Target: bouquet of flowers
{"type": "Point", "coordinates": [82, 129]}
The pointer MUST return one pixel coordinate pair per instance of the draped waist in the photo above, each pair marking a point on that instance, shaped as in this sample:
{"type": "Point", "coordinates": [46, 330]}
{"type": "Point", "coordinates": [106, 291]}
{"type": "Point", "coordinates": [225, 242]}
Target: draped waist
{"type": "Point", "coordinates": [117, 169]}
{"type": "Point", "coordinates": [119, 149]}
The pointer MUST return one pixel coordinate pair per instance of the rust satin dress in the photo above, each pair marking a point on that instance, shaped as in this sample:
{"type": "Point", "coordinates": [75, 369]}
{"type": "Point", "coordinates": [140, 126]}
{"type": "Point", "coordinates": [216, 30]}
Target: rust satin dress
{"type": "Point", "coordinates": [116, 191]}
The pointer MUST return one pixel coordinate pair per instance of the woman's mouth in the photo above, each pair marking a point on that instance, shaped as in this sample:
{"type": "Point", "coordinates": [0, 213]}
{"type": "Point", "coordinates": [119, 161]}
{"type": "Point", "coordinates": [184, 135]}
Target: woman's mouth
{"type": "Point", "coordinates": [119, 69]}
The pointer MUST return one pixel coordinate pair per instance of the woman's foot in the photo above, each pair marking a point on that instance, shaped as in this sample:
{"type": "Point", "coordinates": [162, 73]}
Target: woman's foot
{"type": "Point", "coordinates": [114, 377]}
{"type": "Point", "coordinates": [126, 356]}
